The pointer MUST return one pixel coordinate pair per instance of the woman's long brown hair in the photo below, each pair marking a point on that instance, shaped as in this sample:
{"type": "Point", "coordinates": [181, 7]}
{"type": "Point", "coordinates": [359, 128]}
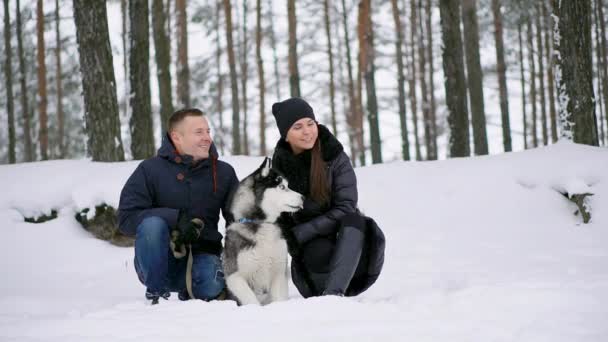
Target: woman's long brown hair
{"type": "Point", "coordinates": [319, 188]}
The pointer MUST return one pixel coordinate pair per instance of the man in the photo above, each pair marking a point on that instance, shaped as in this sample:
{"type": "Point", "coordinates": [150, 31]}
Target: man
{"type": "Point", "coordinates": [179, 193]}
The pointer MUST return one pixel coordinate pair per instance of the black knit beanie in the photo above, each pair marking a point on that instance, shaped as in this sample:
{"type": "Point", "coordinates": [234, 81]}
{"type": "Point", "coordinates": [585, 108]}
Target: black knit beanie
{"type": "Point", "coordinates": [286, 113]}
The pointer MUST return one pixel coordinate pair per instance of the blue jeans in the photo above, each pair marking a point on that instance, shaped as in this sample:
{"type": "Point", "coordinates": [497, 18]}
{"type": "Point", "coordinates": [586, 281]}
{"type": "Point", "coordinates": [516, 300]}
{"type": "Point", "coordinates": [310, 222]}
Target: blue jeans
{"type": "Point", "coordinates": [160, 271]}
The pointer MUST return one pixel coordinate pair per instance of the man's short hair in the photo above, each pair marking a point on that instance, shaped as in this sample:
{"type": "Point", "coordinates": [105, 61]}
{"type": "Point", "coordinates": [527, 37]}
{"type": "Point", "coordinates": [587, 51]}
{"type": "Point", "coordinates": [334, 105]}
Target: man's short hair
{"type": "Point", "coordinates": [180, 115]}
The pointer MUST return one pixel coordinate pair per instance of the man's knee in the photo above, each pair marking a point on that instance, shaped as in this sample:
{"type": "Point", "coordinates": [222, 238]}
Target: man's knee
{"type": "Point", "coordinates": [153, 229]}
{"type": "Point", "coordinates": [207, 277]}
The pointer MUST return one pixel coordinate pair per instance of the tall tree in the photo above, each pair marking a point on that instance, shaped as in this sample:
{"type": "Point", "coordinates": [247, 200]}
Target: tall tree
{"type": "Point", "coordinates": [541, 75]}
{"type": "Point", "coordinates": [43, 135]}
{"type": "Point", "coordinates": [455, 88]}
{"type": "Point", "coordinates": [29, 149]}
{"type": "Point", "coordinates": [220, 77]}
{"type": "Point", "coordinates": [354, 113]}
{"type": "Point", "coordinates": [8, 73]}
{"type": "Point", "coordinates": [475, 75]}
{"type": "Point", "coordinates": [58, 82]}
{"type": "Point", "coordinates": [163, 61]}
{"type": "Point", "coordinates": [424, 91]}
{"type": "Point", "coordinates": [532, 81]}
{"type": "Point", "coordinates": [125, 58]}
{"type": "Point", "coordinates": [244, 78]}
{"type": "Point", "coordinates": [412, 78]}
{"type": "Point", "coordinates": [601, 22]}
{"type": "Point", "coordinates": [501, 67]}
{"type": "Point", "coordinates": [575, 72]}
{"type": "Point", "coordinates": [98, 82]}
{"type": "Point", "coordinates": [236, 121]}
{"type": "Point", "coordinates": [523, 82]}
{"type": "Point", "coordinates": [430, 57]}
{"type": "Point", "coordinates": [262, 85]}
{"type": "Point", "coordinates": [330, 55]}
{"type": "Point", "coordinates": [142, 136]}
{"type": "Point", "coordinates": [405, 143]}
{"type": "Point", "coordinates": [550, 78]}
{"type": "Point", "coordinates": [598, 64]}
{"type": "Point", "coordinates": [183, 70]}
{"type": "Point", "coordinates": [273, 44]}
{"type": "Point", "coordinates": [367, 55]}
{"type": "Point", "coordinates": [294, 73]}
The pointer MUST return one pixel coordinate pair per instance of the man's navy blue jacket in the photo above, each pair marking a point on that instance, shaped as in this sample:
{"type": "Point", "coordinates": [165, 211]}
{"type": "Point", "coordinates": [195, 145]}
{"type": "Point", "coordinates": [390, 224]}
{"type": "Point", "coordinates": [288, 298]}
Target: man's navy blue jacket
{"type": "Point", "coordinates": [164, 184]}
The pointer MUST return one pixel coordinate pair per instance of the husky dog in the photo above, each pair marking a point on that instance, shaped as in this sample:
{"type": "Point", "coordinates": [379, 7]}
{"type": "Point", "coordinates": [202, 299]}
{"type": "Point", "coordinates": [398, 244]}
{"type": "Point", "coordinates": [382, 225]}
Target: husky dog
{"type": "Point", "coordinates": [255, 252]}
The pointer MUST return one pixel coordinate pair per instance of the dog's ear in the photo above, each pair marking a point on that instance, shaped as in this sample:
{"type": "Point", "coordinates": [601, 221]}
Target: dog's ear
{"type": "Point", "coordinates": [265, 167]}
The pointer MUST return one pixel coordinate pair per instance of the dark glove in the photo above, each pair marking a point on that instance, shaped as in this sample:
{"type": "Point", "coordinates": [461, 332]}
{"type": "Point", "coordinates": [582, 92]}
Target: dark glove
{"type": "Point", "coordinates": [189, 228]}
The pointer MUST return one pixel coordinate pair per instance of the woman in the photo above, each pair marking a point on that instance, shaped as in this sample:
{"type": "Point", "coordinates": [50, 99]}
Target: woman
{"type": "Point", "coordinates": [335, 249]}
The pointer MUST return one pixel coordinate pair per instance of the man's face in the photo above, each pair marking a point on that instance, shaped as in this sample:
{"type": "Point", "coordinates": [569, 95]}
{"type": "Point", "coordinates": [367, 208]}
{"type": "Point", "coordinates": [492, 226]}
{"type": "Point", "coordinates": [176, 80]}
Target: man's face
{"type": "Point", "coordinates": [192, 137]}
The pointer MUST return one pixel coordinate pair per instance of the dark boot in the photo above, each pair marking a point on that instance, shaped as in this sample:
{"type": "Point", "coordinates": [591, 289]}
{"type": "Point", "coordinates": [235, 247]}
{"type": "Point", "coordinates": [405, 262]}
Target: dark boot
{"type": "Point", "coordinates": [344, 261]}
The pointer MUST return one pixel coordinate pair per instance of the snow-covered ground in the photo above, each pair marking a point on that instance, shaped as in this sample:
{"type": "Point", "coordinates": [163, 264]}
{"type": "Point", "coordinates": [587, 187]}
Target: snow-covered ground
{"type": "Point", "coordinates": [478, 249]}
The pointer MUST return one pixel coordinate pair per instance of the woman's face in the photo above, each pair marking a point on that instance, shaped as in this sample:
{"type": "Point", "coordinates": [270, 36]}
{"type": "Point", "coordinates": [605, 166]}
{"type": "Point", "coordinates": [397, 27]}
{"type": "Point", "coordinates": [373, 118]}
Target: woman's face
{"type": "Point", "coordinates": [302, 135]}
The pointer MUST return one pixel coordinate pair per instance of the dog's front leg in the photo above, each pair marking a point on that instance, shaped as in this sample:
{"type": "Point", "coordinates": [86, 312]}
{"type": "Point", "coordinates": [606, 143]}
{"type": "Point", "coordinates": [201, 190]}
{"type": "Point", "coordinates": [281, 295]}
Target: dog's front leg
{"type": "Point", "coordinates": [278, 287]}
{"type": "Point", "coordinates": [238, 287]}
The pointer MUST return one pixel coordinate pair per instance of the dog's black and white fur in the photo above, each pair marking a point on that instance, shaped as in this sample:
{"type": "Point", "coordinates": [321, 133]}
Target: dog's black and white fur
{"type": "Point", "coordinates": [255, 252]}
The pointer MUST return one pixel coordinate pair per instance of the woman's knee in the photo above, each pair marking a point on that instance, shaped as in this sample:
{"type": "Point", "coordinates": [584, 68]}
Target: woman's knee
{"type": "Point", "coordinates": [354, 220]}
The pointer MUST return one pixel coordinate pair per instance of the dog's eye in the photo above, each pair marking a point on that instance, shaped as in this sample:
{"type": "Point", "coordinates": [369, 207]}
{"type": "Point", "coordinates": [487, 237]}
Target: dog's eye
{"type": "Point", "coordinates": [281, 186]}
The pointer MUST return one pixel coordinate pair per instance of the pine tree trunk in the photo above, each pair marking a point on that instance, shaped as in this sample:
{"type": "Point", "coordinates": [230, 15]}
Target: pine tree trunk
{"type": "Point", "coordinates": [142, 136]}
{"type": "Point", "coordinates": [405, 144]}
{"type": "Point", "coordinates": [455, 85]}
{"type": "Point", "coordinates": [366, 44]}
{"type": "Point", "coordinates": [294, 74]}
{"type": "Point", "coordinates": [60, 115]}
{"type": "Point", "coordinates": [541, 76]}
{"type": "Point", "coordinates": [43, 135]}
{"type": "Point", "coordinates": [262, 86]}
{"type": "Point", "coordinates": [474, 73]}
{"type": "Point", "coordinates": [351, 112]}
{"type": "Point", "coordinates": [550, 63]}
{"type": "Point", "coordinates": [163, 62]}
{"type": "Point", "coordinates": [604, 55]}
{"type": "Point", "coordinates": [343, 87]}
{"type": "Point", "coordinates": [523, 84]}
{"type": "Point", "coordinates": [219, 137]}
{"type": "Point", "coordinates": [330, 55]}
{"type": "Point", "coordinates": [8, 73]}
{"type": "Point", "coordinates": [275, 57]}
{"type": "Point", "coordinates": [236, 121]}
{"type": "Point", "coordinates": [412, 78]}
{"type": "Point", "coordinates": [98, 83]}
{"type": "Point", "coordinates": [244, 78]}
{"type": "Point", "coordinates": [575, 74]}
{"type": "Point", "coordinates": [532, 82]}
{"type": "Point", "coordinates": [598, 64]}
{"type": "Point", "coordinates": [430, 56]}
{"type": "Point", "coordinates": [501, 68]}
{"type": "Point", "coordinates": [183, 69]}
{"type": "Point", "coordinates": [28, 149]}
{"type": "Point", "coordinates": [125, 58]}
{"type": "Point", "coordinates": [426, 107]}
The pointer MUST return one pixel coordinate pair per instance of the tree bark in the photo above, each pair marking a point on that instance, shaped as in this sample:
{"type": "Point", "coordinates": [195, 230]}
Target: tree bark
{"type": "Point", "coordinates": [532, 82]}
{"type": "Point", "coordinates": [501, 68]}
{"type": "Point", "coordinates": [550, 63]}
{"type": "Point", "coordinates": [330, 55]}
{"type": "Point", "coordinates": [430, 56]}
{"type": "Point", "coordinates": [275, 58]}
{"type": "Point", "coordinates": [262, 86]}
{"type": "Point", "coordinates": [28, 148]}
{"type": "Point", "coordinates": [125, 58]}
{"type": "Point", "coordinates": [163, 62]}
{"type": "Point", "coordinates": [98, 83]}
{"type": "Point", "coordinates": [405, 144]}
{"type": "Point", "coordinates": [455, 85]}
{"type": "Point", "coordinates": [598, 64]}
{"type": "Point", "coordinates": [8, 73]}
{"type": "Point", "coordinates": [294, 74]}
{"type": "Point", "coordinates": [367, 54]}
{"type": "Point", "coordinates": [413, 77]}
{"type": "Point", "coordinates": [604, 55]}
{"type": "Point", "coordinates": [426, 115]}
{"type": "Point", "coordinates": [183, 69]}
{"type": "Point", "coordinates": [574, 72]}
{"type": "Point", "coordinates": [43, 135]}
{"type": "Point", "coordinates": [541, 75]}
{"type": "Point", "coordinates": [523, 84]}
{"type": "Point", "coordinates": [244, 79]}
{"type": "Point", "coordinates": [58, 78]}
{"type": "Point", "coordinates": [236, 121]}
{"type": "Point", "coordinates": [219, 138]}
{"type": "Point", "coordinates": [474, 73]}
